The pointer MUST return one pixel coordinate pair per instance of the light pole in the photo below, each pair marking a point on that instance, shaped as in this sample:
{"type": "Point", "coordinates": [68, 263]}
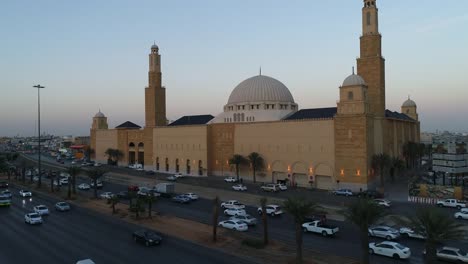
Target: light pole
{"type": "Point", "coordinates": [39, 87]}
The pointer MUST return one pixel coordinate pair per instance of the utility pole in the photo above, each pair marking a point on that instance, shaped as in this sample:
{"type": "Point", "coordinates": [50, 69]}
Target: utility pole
{"type": "Point", "coordinates": [39, 87]}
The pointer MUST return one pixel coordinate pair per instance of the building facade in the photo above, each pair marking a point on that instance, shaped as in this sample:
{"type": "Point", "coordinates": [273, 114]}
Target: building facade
{"type": "Point", "coordinates": [321, 148]}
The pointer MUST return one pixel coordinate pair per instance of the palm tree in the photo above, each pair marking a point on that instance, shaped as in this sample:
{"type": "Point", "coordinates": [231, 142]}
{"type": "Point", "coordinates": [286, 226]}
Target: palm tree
{"type": "Point", "coordinates": [52, 179]}
{"type": "Point", "coordinates": [215, 217]}
{"type": "Point", "coordinates": [257, 163]}
{"type": "Point", "coordinates": [263, 202]}
{"type": "Point", "coordinates": [364, 213]}
{"type": "Point", "coordinates": [381, 162]}
{"type": "Point", "coordinates": [436, 226]}
{"type": "Point", "coordinates": [73, 171]}
{"type": "Point", "coordinates": [110, 155]}
{"type": "Point", "coordinates": [118, 155]}
{"type": "Point", "coordinates": [396, 164]}
{"type": "Point", "coordinates": [150, 199]}
{"type": "Point", "coordinates": [88, 152]}
{"type": "Point", "coordinates": [114, 200]}
{"type": "Point", "coordinates": [138, 207]}
{"type": "Point", "coordinates": [113, 156]}
{"type": "Point", "coordinates": [299, 208]}
{"type": "Point", "coordinates": [94, 174]}
{"type": "Point", "coordinates": [3, 166]}
{"type": "Point", "coordinates": [237, 160]}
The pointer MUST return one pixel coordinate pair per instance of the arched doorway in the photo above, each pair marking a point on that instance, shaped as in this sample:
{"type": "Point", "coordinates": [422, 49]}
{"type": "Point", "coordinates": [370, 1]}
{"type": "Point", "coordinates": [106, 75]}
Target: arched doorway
{"type": "Point", "coordinates": [141, 153]}
{"type": "Point", "coordinates": [167, 164]}
{"type": "Point", "coordinates": [188, 166]}
{"type": "Point", "coordinates": [200, 168]}
{"type": "Point", "coordinates": [324, 176]}
{"type": "Point", "coordinates": [177, 165]}
{"type": "Point", "coordinates": [157, 163]}
{"type": "Point", "coordinates": [299, 174]}
{"type": "Point", "coordinates": [131, 153]}
{"type": "Point", "coordinates": [279, 171]}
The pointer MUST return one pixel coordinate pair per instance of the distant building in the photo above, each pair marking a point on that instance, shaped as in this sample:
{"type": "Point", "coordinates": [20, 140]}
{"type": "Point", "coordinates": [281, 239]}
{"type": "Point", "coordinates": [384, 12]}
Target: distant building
{"type": "Point", "coordinates": [450, 157]}
{"type": "Point", "coordinates": [322, 148]}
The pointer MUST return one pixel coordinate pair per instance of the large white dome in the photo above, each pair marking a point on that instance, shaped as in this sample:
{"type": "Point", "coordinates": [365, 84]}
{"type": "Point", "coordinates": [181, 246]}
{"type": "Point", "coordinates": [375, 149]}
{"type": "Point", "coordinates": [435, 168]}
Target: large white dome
{"type": "Point", "coordinates": [353, 80]}
{"type": "Point", "coordinates": [260, 88]}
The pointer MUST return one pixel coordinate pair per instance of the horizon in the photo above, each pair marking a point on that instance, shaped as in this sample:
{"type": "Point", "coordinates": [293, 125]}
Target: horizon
{"type": "Point", "coordinates": [85, 44]}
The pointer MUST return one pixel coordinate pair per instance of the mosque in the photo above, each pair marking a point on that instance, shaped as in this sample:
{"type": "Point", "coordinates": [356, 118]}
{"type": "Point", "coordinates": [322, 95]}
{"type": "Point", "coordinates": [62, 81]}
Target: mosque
{"type": "Point", "coordinates": [322, 148]}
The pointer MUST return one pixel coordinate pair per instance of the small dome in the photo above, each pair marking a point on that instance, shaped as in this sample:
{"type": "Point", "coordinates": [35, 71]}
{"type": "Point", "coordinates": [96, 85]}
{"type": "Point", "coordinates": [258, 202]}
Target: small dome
{"type": "Point", "coordinates": [409, 103]}
{"type": "Point", "coordinates": [99, 114]}
{"type": "Point", "coordinates": [260, 88]}
{"type": "Point", "coordinates": [353, 80]}
{"type": "Point", "coordinates": [154, 46]}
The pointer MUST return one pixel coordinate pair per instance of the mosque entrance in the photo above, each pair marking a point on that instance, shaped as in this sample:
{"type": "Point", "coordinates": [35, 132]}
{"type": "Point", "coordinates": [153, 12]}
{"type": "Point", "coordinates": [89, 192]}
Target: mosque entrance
{"type": "Point", "coordinates": [301, 179]}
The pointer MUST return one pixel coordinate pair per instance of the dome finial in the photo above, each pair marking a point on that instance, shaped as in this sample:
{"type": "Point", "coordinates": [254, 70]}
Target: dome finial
{"type": "Point", "coordinates": [260, 70]}
{"type": "Point", "coordinates": [353, 69]}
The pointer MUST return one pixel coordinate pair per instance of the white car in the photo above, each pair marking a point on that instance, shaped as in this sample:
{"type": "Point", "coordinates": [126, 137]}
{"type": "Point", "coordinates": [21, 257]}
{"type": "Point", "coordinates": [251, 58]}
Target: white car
{"type": "Point", "coordinates": [239, 187]}
{"type": "Point", "coordinates": [24, 193]}
{"type": "Point", "coordinates": [282, 187]}
{"type": "Point", "coordinates": [248, 219]}
{"type": "Point", "coordinates": [454, 203]}
{"type": "Point", "coordinates": [235, 212]}
{"type": "Point", "coordinates": [178, 175]}
{"type": "Point", "coordinates": [97, 164]}
{"type": "Point", "coordinates": [234, 225]}
{"type": "Point", "coordinates": [271, 209]}
{"type": "Point", "coordinates": [452, 254]}
{"type": "Point", "coordinates": [390, 249]}
{"type": "Point", "coordinates": [64, 181]}
{"type": "Point", "coordinates": [408, 232]}
{"type": "Point", "coordinates": [384, 232]}
{"type": "Point", "coordinates": [383, 202]}
{"type": "Point", "coordinates": [99, 184]}
{"type": "Point", "coordinates": [41, 209]}
{"type": "Point", "coordinates": [32, 218]}
{"type": "Point", "coordinates": [233, 204]}
{"type": "Point", "coordinates": [192, 196]}
{"type": "Point", "coordinates": [230, 179]}
{"type": "Point", "coordinates": [84, 186]}
{"type": "Point", "coordinates": [461, 215]}
{"type": "Point", "coordinates": [106, 195]}
{"type": "Point", "coordinates": [64, 174]}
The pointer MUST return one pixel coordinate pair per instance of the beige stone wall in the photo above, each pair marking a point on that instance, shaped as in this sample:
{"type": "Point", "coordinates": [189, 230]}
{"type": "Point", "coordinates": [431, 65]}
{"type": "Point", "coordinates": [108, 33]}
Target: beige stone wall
{"type": "Point", "coordinates": [104, 139]}
{"type": "Point", "coordinates": [397, 133]}
{"type": "Point", "coordinates": [220, 148]}
{"type": "Point", "coordinates": [296, 148]}
{"type": "Point", "coordinates": [179, 144]}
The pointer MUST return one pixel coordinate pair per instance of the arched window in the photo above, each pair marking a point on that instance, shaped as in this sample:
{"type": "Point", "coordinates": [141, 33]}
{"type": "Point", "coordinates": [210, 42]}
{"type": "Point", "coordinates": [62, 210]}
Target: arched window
{"type": "Point", "coordinates": [188, 166]}
{"type": "Point", "coordinates": [407, 111]}
{"type": "Point", "coordinates": [200, 168]}
{"type": "Point", "coordinates": [167, 164]}
{"type": "Point", "coordinates": [242, 117]}
{"type": "Point", "coordinates": [177, 165]}
{"type": "Point", "coordinates": [368, 18]}
{"type": "Point", "coordinates": [350, 95]}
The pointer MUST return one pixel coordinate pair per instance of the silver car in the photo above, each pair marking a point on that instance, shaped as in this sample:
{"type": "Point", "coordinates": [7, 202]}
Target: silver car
{"type": "Point", "coordinates": [386, 232]}
{"type": "Point", "coordinates": [248, 219]}
{"type": "Point", "coordinates": [62, 206]}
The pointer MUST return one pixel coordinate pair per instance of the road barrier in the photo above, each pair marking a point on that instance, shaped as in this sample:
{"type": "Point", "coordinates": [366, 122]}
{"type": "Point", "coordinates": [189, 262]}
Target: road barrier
{"type": "Point", "coordinates": [422, 200]}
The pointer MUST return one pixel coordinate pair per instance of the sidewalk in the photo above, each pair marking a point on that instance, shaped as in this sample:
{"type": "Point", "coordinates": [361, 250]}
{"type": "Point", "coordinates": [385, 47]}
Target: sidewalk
{"type": "Point", "coordinates": [211, 193]}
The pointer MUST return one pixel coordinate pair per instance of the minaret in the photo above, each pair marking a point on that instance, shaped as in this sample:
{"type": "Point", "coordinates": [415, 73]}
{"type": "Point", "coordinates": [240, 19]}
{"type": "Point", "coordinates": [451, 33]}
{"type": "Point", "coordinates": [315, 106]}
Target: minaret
{"type": "Point", "coordinates": [155, 94]}
{"type": "Point", "coordinates": [409, 108]}
{"type": "Point", "coordinates": [371, 64]}
{"type": "Point", "coordinates": [99, 121]}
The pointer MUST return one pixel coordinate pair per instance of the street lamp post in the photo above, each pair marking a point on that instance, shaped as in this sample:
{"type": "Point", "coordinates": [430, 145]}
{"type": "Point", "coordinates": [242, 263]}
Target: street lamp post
{"type": "Point", "coordinates": [39, 87]}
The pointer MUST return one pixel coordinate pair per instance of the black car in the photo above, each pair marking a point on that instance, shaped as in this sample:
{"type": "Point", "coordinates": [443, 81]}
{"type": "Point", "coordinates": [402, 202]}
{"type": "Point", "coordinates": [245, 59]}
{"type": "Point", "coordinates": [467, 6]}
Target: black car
{"type": "Point", "coordinates": [370, 194]}
{"type": "Point", "coordinates": [147, 237]}
{"type": "Point", "coordinates": [123, 195]}
{"type": "Point", "coordinates": [3, 184]}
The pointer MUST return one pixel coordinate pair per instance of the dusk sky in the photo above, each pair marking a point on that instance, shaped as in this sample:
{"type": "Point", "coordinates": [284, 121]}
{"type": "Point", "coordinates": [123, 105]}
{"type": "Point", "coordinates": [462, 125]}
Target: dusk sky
{"type": "Point", "coordinates": [93, 55]}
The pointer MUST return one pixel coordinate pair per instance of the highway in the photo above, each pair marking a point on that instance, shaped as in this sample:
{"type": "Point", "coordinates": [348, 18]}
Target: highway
{"type": "Point", "coordinates": [66, 237]}
{"type": "Point", "coordinates": [346, 243]}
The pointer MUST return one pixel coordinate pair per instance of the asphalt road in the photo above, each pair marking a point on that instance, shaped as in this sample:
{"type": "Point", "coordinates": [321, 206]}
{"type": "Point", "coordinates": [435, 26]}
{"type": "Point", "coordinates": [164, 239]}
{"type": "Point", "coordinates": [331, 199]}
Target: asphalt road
{"type": "Point", "coordinates": [346, 243]}
{"type": "Point", "coordinates": [79, 234]}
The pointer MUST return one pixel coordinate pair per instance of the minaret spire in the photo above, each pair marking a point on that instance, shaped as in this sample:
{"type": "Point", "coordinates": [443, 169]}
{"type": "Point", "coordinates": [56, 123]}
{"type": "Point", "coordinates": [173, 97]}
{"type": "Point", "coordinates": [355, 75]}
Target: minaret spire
{"type": "Point", "coordinates": [260, 70]}
{"type": "Point", "coordinates": [353, 70]}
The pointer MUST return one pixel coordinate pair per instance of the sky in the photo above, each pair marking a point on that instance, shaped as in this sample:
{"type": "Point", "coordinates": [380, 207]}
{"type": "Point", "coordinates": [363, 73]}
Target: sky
{"type": "Point", "coordinates": [93, 55]}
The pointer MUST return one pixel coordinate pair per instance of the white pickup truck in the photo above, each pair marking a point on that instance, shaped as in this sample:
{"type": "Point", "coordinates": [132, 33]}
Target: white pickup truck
{"type": "Point", "coordinates": [319, 227]}
{"type": "Point", "coordinates": [454, 203]}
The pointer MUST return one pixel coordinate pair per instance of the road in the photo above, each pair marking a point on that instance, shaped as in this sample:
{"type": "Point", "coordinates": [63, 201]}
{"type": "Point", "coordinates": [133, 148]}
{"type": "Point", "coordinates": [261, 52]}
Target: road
{"type": "Point", "coordinates": [346, 243]}
{"type": "Point", "coordinates": [81, 233]}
